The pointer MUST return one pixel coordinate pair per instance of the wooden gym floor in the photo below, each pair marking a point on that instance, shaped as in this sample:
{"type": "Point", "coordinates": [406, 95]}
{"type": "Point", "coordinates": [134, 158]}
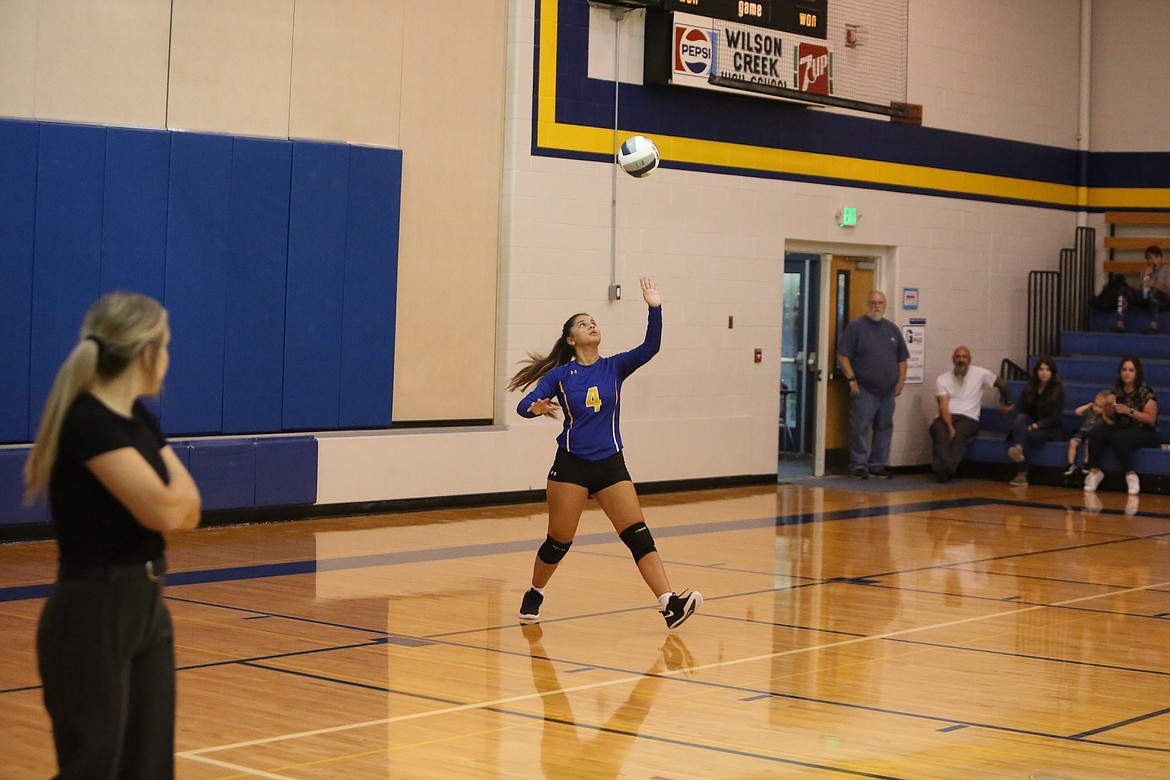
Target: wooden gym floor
{"type": "Point", "coordinates": [877, 629]}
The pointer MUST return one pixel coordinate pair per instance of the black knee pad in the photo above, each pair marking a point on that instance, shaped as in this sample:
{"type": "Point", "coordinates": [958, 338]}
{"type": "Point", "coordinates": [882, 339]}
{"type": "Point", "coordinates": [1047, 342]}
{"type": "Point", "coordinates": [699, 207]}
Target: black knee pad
{"type": "Point", "coordinates": [638, 538]}
{"type": "Point", "coordinates": [552, 551]}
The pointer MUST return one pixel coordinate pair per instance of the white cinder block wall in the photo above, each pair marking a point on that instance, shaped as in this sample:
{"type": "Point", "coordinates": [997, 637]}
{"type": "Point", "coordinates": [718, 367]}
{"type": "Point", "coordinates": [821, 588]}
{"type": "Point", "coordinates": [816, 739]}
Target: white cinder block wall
{"type": "Point", "coordinates": [716, 244]}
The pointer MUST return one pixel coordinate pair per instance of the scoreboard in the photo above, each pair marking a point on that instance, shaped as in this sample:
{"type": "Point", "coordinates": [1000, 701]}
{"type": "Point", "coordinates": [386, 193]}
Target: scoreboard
{"type": "Point", "coordinates": [803, 17]}
{"type": "Point", "coordinates": [847, 54]}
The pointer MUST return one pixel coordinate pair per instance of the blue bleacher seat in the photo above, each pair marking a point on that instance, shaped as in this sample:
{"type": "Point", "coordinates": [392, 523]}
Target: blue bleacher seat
{"type": "Point", "coordinates": [1088, 363]}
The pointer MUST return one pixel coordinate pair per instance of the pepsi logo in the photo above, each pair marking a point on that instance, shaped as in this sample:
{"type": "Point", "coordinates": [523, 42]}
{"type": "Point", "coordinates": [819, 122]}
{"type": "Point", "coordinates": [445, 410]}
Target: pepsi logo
{"type": "Point", "coordinates": [694, 50]}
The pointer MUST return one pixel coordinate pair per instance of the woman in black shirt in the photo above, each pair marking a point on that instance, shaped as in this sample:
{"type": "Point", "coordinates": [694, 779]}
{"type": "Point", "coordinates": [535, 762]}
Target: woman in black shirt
{"type": "Point", "coordinates": [1136, 409]}
{"type": "Point", "coordinates": [1036, 417]}
{"type": "Point", "coordinates": [105, 644]}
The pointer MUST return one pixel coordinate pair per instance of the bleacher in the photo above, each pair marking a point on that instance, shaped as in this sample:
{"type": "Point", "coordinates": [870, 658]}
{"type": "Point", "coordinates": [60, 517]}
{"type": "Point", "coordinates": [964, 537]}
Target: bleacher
{"type": "Point", "coordinates": [1087, 363]}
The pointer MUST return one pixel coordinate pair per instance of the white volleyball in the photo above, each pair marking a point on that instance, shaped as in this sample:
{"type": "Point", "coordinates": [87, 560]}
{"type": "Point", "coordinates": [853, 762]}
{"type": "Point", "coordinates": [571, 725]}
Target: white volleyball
{"type": "Point", "coordinates": [638, 156]}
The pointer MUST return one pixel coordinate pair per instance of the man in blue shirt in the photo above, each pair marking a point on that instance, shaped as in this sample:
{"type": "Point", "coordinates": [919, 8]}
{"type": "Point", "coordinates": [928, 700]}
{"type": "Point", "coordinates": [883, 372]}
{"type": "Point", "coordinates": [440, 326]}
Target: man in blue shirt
{"type": "Point", "coordinates": [873, 356]}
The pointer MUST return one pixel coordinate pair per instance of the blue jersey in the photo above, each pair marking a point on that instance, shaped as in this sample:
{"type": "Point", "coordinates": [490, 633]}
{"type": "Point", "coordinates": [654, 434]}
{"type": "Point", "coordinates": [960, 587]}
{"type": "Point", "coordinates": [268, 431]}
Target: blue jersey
{"type": "Point", "coordinates": [590, 396]}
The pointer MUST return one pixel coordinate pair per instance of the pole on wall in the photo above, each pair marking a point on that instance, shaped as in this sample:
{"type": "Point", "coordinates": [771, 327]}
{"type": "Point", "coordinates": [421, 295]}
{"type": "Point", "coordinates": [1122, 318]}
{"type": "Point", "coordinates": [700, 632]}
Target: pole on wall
{"type": "Point", "coordinates": [617, 13]}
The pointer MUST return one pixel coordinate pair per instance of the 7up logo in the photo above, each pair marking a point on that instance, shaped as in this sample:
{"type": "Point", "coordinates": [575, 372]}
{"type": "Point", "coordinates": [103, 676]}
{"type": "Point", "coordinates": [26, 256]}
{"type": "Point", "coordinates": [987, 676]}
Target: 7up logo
{"type": "Point", "coordinates": [814, 69]}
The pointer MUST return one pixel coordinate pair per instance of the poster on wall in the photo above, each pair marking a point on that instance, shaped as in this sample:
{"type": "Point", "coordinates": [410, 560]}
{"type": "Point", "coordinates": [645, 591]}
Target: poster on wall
{"type": "Point", "coordinates": [915, 336]}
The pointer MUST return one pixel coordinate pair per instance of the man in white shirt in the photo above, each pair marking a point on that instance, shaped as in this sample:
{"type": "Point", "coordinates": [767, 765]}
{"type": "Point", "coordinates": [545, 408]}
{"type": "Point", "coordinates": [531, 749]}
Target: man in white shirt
{"type": "Point", "coordinates": [959, 393]}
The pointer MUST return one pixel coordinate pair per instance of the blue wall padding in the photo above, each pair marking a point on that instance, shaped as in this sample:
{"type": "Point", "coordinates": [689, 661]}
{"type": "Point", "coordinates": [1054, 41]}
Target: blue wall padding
{"type": "Point", "coordinates": [12, 491]}
{"type": "Point", "coordinates": [196, 280]}
{"type": "Point", "coordinates": [134, 224]}
{"type": "Point", "coordinates": [225, 472]}
{"type": "Point", "coordinates": [183, 451]}
{"type": "Point", "coordinates": [286, 471]}
{"type": "Point", "coordinates": [18, 187]}
{"type": "Point", "coordinates": [276, 259]}
{"type": "Point", "coordinates": [253, 377]}
{"type": "Point", "coordinates": [232, 474]}
{"type": "Point", "coordinates": [67, 256]}
{"type": "Point", "coordinates": [316, 286]}
{"type": "Point", "coordinates": [367, 356]}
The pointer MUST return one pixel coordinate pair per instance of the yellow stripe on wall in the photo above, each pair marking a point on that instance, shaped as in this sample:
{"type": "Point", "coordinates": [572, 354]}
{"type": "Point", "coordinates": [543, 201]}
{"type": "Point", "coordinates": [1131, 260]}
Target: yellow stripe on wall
{"type": "Point", "coordinates": [551, 134]}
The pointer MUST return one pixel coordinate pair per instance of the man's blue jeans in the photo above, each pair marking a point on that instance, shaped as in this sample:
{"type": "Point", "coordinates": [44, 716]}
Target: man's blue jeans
{"type": "Point", "coordinates": [870, 416]}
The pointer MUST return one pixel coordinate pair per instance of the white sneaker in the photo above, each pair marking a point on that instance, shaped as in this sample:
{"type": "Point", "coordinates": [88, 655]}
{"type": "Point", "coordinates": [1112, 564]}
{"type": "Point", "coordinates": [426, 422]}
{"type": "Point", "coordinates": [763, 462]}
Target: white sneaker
{"type": "Point", "coordinates": [1093, 479]}
{"type": "Point", "coordinates": [1132, 486]}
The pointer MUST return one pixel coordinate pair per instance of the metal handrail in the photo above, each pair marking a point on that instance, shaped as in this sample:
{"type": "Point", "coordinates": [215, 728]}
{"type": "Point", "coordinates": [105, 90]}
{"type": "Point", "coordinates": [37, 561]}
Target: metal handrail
{"type": "Point", "coordinates": [1059, 300]}
{"type": "Point", "coordinates": [1010, 370]}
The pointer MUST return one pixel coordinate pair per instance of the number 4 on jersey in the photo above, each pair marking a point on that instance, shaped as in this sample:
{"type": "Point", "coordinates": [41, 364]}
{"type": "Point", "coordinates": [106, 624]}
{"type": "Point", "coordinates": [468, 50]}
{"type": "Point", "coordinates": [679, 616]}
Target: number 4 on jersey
{"type": "Point", "coordinates": [593, 399]}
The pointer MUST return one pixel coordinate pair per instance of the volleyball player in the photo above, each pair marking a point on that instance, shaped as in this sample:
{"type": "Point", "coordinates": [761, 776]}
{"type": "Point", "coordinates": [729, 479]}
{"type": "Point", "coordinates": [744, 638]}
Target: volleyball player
{"type": "Point", "coordinates": [105, 643]}
{"type": "Point", "coordinates": [574, 378]}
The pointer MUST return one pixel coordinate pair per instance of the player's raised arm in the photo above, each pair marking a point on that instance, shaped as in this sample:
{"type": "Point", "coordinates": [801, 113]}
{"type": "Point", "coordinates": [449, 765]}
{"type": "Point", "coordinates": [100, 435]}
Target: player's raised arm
{"type": "Point", "coordinates": [650, 292]}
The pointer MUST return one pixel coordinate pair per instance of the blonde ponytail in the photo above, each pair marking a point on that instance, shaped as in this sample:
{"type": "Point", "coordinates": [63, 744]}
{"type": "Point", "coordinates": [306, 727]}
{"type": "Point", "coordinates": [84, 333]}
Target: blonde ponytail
{"type": "Point", "coordinates": [75, 376]}
{"type": "Point", "coordinates": [116, 328]}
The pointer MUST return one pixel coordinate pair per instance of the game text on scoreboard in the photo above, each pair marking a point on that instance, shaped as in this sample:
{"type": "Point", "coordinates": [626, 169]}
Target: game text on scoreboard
{"type": "Point", "coordinates": [803, 17]}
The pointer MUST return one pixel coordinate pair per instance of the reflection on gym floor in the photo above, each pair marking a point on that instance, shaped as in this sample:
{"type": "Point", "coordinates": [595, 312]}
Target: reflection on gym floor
{"type": "Point", "coordinates": [852, 629]}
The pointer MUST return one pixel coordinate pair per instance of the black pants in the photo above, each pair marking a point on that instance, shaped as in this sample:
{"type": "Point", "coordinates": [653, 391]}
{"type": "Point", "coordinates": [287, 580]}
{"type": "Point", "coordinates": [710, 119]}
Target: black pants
{"type": "Point", "coordinates": [1154, 302]}
{"type": "Point", "coordinates": [948, 453]}
{"type": "Point", "coordinates": [105, 651]}
{"type": "Point", "coordinates": [1123, 440]}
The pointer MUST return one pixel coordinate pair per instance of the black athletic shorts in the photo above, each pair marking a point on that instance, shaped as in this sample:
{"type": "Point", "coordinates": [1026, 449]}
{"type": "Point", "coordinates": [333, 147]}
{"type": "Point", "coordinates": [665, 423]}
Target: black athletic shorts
{"type": "Point", "coordinates": [593, 475]}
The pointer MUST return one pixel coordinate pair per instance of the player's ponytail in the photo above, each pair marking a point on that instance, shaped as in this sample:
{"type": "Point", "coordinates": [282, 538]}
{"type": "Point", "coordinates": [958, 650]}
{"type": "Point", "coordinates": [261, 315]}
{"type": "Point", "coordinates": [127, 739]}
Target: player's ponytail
{"type": "Point", "coordinates": [116, 328]}
{"type": "Point", "coordinates": [537, 365]}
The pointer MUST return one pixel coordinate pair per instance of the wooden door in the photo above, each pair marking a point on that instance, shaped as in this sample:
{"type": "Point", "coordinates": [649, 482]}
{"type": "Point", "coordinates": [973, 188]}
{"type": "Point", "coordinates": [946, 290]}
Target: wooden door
{"type": "Point", "coordinates": [851, 279]}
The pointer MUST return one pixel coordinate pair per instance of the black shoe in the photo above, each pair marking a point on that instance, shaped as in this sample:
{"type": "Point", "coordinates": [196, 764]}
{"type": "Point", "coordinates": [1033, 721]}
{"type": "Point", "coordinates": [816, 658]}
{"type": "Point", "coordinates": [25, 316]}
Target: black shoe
{"type": "Point", "coordinates": [530, 607]}
{"type": "Point", "coordinates": [681, 606]}
{"type": "Point", "coordinates": [859, 472]}
{"type": "Point", "coordinates": [1071, 470]}
{"type": "Point", "coordinates": [880, 472]}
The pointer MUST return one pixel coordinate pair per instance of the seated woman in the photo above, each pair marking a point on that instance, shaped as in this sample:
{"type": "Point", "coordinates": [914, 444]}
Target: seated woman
{"type": "Point", "coordinates": [1136, 409]}
{"type": "Point", "coordinates": [1036, 416]}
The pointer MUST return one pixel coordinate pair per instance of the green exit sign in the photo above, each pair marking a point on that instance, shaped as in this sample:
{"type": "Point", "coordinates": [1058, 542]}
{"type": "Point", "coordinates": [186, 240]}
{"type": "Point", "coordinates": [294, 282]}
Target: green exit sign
{"type": "Point", "coordinates": [847, 217]}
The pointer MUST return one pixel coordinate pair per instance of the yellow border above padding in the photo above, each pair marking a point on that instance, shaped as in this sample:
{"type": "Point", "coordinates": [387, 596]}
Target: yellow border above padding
{"type": "Point", "coordinates": [551, 134]}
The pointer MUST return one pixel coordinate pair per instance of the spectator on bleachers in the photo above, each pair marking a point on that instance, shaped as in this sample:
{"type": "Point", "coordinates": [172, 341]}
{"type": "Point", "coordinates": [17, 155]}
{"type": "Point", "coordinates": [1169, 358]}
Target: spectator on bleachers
{"type": "Point", "coordinates": [1036, 416]}
{"type": "Point", "coordinates": [1155, 286]}
{"type": "Point", "coordinates": [1151, 296]}
{"type": "Point", "coordinates": [959, 393]}
{"type": "Point", "coordinates": [1099, 411]}
{"type": "Point", "coordinates": [1115, 296]}
{"type": "Point", "coordinates": [1136, 408]}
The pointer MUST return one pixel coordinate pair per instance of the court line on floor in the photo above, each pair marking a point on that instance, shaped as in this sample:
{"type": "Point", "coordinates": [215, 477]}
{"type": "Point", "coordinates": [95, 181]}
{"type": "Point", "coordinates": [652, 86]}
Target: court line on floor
{"type": "Point", "coordinates": [198, 753]}
{"type": "Point", "coordinates": [316, 566]}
